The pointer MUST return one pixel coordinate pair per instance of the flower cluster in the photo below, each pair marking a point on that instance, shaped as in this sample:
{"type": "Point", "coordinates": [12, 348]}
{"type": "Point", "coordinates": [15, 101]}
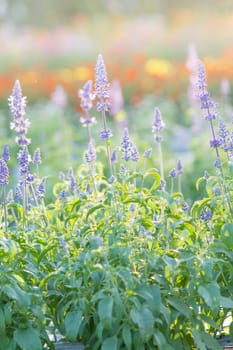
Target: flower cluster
{"type": "Point", "coordinates": [102, 86]}
{"type": "Point", "coordinates": [158, 125]}
{"type": "Point", "coordinates": [86, 102]}
{"type": "Point", "coordinates": [128, 149]}
{"type": "Point", "coordinates": [17, 104]}
{"type": "Point", "coordinates": [4, 173]}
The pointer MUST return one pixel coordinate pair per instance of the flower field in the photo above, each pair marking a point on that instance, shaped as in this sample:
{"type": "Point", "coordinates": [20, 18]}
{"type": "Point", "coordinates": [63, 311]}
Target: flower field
{"type": "Point", "coordinates": [115, 250]}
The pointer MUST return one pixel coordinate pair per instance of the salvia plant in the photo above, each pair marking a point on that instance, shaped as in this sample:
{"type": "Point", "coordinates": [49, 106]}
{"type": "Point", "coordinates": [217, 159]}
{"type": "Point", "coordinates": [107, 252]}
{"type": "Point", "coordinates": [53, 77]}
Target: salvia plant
{"type": "Point", "coordinates": [118, 259]}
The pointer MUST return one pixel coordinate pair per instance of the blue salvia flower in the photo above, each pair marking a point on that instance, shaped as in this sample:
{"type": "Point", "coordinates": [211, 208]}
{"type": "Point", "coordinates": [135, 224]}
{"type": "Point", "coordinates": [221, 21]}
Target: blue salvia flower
{"type": "Point", "coordinates": [134, 153]}
{"type": "Point", "coordinates": [4, 173]}
{"type": "Point", "coordinates": [105, 134]}
{"type": "Point", "coordinates": [24, 160]}
{"type": "Point", "coordinates": [17, 104]}
{"type": "Point", "coordinates": [218, 163]}
{"type": "Point", "coordinates": [36, 156]}
{"type": "Point", "coordinates": [62, 195]}
{"type": "Point", "coordinates": [6, 153]}
{"type": "Point", "coordinates": [126, 145]}
{"type": "Point", "coordinates": [216, 191]}
{"type": "Point", "coordinates": [18, 192]}
{"type": "Point", "coordinates": [179, 168]}
{"type": "Point", "coordinates": [158, 125]}
{"type": "Point", "coordinates": [206, 214]}
{"type": "Point", "coordinates": [73, 184]}
{"type": "Point", "coordinates": [207, 104]}
{"type": "Point", "coordinates": [147, 153]}
{"type": "Point", "coordinates": [215, 143]}
{"type": "Point", "coordinates": [90, 154]}
{"type": "Point", "coordinates": [86, 102]}
{"type": "Point", "coordinates": [40, 189]}
{"type": "Point", "coordinates": [30, 178]}
{"type": "Point", "coordinates": [114, 156]}
{"type": "Point", "coordinates": [70, 173]}
{"type": "Point", "coordinates": [102, 92]}
{"type": "Point", "coordinates": [172, 173]}
{"type": "Point", "coordinates": [122, 171]}
{"type": "Point", "coordinates": [86, 96]}
{"type": "Point", "coordinates": [102, 86]}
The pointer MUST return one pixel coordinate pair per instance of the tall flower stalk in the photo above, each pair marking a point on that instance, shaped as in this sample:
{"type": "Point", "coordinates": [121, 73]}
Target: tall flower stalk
{"type": "Point", "coordinates": [157, 126]}
{"type": "Point", "coordinates": [86, 102]}
{"type": "Point", "coordinates": [17, 104]}
{"type": "Point", "coordinates": [90, 159]}
{"type": "Point", "coordinates": [102, 92]}
{"type": "Point", "coordinates": [208, 107]}
{"type": "Point", "coordinates": [4, 179]}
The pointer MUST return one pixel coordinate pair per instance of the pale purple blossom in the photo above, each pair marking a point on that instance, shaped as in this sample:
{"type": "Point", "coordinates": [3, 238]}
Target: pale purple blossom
{"type": "Point", "coordinates": [4, 173]}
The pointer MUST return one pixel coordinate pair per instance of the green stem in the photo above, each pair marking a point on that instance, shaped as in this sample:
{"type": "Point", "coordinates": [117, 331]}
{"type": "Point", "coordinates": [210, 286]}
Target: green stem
{"type": "Point", "coordinates": [161, 162]}
{"type": "Point", "coordinates": [4, 207]}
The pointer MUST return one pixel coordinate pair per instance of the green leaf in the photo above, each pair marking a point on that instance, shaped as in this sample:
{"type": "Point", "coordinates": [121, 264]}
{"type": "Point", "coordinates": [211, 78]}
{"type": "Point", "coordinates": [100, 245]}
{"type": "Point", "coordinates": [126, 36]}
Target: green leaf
{"type": "Point", "coordinates": [226, 302]}
{"type": "Point", "coordinates": [179, 305]}
{"type": "Point", "coordinates": [160, 340]}
{"type": "Point", "coordinates": [18, 294]}
{"type": "Point", "coordinates": [127, 337]}
{"type": "Point", "coordinates": [231, 331]}
{"type": "Point", "coordinates": [210, 293]}
{"type": "Point", "coordinates": [151, 294]}
{"type": "Point", "coordinates": [198, 340]}
{"type": "Point", "coordinates": [155, 175]}
{"type": "Point", "coordinates": [93, 209]}
{"type": "Point", "coordinates": [2, 322]}
{"type": "Point", "coordinates": [110, 343]}
{"type": "Point", "coordinates": [210, 342]}
{"type": "Point", "coordinates": [27, 339]}
{"type": "Point", "coordinates": [199, 181]}
{"type": "Point", "coordinates": [227, 235]}
{"type": "Point", "coordinates": [145, 321]}
{"type": "Point", "coordinates": [105, 310]}
{"type": "Point", "coordinates": [72, 323]}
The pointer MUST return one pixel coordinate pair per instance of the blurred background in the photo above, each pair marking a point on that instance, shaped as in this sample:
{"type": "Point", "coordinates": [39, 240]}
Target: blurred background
{"type": "Point", "coordinates": [51, 46]}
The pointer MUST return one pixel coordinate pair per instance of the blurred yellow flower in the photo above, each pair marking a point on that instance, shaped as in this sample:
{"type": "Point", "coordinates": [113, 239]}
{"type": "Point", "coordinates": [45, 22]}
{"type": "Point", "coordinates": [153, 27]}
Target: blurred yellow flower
{"type": "Point", "coordinates": [82, 73]}
{"type": "Point", "coordinates": [158, 67]}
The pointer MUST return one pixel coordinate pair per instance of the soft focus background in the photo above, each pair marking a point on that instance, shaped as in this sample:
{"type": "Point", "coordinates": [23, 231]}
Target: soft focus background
{"type": "Point", "coordinates": [51, 46]}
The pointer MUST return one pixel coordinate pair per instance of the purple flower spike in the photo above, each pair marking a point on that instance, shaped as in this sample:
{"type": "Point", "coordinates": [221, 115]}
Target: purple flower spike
{"type": "Point", "coordinates": [40, 190]}
{"type": "Point", "coordinates": [18, 192]}
{"type": "Point", "coordinates": [86, 96]}
{"type": "Point", "coordinates": [36, 157]}
{"type": "Point", "coordinates": [179, 168]}
{"type": "Point", "coordinates": [134, 153]}
{"type": "Point", "coordinates": [215, 143]}
{"type": "Point", "coordinates": [126, 145]}
{"type": "Point", "coordinates": [173, 173]}
{"type": "Point", "coordinates": [206, 215]}
{"type": "Point", "coordinates": [24, 160]}
{"type": "Point", "coordinates": [114, 156]}
{"type": "Point", "coordinates": [105, 134]}
{"type": "Point", "coordinates": [102, 86]}
{"type": "Point", "coordinates": [147, 153]}
{"type": "Point", "coordinates": [4, 173]}
{"type": "Point", "coordinates": [6, 153]}
{"type": "Point", "coordinates": [90, 154]}
{"type": "Point", "coordinates": [62, 195]}
{"type": "Point", "coordinates": [158, 125]}
{"type": "Point", "coordinates": [17, 104]}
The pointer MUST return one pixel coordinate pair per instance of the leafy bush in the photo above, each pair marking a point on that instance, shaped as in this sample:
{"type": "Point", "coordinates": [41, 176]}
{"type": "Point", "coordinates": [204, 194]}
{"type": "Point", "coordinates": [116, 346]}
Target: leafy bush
{"type": "Point", "coordinates": [115, 259]}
